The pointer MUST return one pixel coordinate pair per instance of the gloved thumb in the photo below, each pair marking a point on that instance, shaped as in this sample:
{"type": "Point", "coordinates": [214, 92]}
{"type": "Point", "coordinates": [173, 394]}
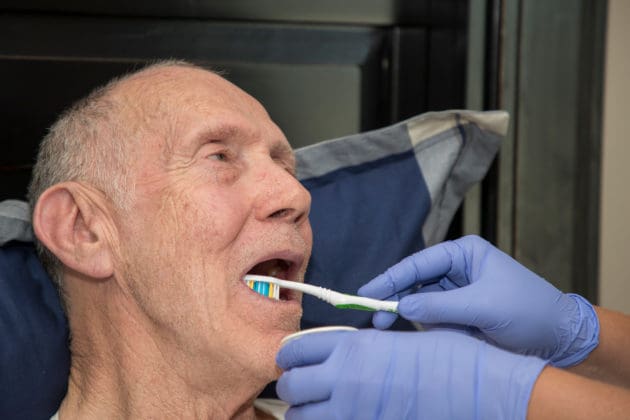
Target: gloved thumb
{"type": "Point", "coordinates": [308, 350]}
{"type": "Point", "coordinates": [455, 306]}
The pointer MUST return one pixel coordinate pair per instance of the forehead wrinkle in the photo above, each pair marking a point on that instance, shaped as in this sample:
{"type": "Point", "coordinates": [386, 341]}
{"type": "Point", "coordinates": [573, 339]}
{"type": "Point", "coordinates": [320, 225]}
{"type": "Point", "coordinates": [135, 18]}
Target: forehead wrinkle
{"type": "Point", "coordinates": [172, 114]}
{"type": "Point", "coordinates": [161, 103]}
{"type": "Point", "coordinates": [220, 128]}
{"type": "Point", "coordinates": [154, 106]}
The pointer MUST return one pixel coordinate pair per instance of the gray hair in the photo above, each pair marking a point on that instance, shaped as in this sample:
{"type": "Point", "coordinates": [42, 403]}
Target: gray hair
{"type": "Point", "coordinates": [87, 144]}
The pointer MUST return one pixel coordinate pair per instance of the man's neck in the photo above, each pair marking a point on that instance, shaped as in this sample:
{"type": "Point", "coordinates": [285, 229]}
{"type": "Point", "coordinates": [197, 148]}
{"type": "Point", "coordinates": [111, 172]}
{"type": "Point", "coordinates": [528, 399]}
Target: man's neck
{"type": "Point", "coordinates": [122, 370]}
{"type": "Point", "coordinates": [79, 404]}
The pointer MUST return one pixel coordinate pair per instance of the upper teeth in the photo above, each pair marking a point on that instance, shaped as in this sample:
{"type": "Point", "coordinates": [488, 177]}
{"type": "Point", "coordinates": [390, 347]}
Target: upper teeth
{"type": "Point", "coordinates": [273, 272]}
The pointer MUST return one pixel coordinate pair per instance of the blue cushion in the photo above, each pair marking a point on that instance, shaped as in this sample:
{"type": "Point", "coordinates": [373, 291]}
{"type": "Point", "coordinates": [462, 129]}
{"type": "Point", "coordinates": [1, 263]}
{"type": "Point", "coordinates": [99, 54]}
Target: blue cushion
{"type": "Point", "coordinates": [385, 194]}
{"type": "Point", "coordinates": [377, 197]}
{"type": "Point", "coordinates": [352, 227]}
{"type": "Point", "coordinates": [34, 357]}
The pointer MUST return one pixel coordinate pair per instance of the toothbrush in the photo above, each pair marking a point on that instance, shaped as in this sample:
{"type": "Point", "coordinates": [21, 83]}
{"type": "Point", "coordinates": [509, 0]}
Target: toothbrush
{"type": "Point", "coordinates": [337, 299]}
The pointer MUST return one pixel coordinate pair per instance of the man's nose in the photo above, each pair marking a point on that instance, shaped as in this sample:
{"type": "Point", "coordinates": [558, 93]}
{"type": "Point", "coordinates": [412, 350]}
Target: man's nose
{"type": "Point", "coordinates": [281, 197]}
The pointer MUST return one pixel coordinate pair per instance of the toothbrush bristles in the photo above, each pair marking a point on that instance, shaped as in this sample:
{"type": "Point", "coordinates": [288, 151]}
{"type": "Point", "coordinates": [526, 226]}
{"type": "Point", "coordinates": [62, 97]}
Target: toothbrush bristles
{"type": "Point", "coordinates": [269, 290]}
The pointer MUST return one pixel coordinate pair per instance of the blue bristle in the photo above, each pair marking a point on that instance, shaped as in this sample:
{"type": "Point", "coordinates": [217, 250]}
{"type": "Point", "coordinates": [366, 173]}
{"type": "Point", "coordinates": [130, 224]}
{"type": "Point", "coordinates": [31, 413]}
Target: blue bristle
{"type": "Point", "coordinates": [258, 287]}
{"type": "Point", "coordinates": [263, 288]}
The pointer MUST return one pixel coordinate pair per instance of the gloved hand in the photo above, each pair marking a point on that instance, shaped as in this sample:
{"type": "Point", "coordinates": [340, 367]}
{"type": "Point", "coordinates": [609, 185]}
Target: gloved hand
{"type": "Point", "coordinates": [371, 374]}
{"type": "Point", "coordinates": [471, 283]}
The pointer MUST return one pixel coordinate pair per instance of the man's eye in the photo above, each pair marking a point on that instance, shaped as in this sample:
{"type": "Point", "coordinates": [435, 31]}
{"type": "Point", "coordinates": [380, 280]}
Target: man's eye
{"type": "Point", "coordinates": [220, 156]}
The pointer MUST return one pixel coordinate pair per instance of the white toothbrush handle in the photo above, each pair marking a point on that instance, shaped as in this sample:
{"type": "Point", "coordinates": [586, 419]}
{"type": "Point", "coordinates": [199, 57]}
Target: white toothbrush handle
{"type": "Point", "coordinates": [334, 298]}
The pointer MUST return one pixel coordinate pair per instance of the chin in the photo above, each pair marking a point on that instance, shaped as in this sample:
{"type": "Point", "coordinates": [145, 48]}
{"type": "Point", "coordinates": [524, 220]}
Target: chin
{"type": "Point", "coordinates": [277, 372]}
{"type": "Point", "coordinates": [261, 353]}
{"type": "Point", "coordinates": [266, 371]}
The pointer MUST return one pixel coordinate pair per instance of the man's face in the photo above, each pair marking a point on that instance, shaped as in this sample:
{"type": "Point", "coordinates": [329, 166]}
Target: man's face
{"type": "Point", "coordinates": [214, 198]}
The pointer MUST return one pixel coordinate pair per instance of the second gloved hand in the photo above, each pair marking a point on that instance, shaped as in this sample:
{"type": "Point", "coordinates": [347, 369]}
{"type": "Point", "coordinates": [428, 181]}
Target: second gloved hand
{"type": "Point", "coordinates": [470, 283]}
{"type": "Point", "coordinates": [372, 374]}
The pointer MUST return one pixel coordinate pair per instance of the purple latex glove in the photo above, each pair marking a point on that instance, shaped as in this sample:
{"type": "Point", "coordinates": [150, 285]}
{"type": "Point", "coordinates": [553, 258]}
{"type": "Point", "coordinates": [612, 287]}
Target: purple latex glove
{"type": "Point", "coordinates": [373, 374]}
{"type": "Point", "coordinates": [471, 283]}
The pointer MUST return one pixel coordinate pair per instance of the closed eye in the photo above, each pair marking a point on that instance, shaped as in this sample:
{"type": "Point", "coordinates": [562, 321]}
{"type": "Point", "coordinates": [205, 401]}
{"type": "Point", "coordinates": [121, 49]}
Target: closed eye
{"type": "Point", "coordinates": [219, 156]}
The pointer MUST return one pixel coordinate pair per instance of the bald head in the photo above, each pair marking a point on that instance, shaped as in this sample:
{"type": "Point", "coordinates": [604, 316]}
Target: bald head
{"type": "Point", "coordinates": [92, 140]}
{"type": "Point", "coordinates": [87, 143]}
{"type": "Point", "coordinates": [160, 95]}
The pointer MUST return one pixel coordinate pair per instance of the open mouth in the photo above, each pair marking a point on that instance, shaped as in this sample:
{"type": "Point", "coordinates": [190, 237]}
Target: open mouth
{"type": "Point", "coordinates": [278, 268]}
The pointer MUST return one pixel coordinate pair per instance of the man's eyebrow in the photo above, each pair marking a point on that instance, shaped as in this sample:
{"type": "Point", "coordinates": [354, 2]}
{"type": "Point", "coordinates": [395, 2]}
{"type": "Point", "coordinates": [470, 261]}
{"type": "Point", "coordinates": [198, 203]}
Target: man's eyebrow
{"type": "Point", "coordinates": [205, 134]}
{"type": "Point", "coordinates": [214, 132]}
{"type": "Point", "coordinates": [280, 150]}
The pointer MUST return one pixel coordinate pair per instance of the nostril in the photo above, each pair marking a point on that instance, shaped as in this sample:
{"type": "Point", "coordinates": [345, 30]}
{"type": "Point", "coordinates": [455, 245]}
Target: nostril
{"type": "Point", "coordinates": [300, 218]}
{"type": "Point", "coordinates": [280, 214]}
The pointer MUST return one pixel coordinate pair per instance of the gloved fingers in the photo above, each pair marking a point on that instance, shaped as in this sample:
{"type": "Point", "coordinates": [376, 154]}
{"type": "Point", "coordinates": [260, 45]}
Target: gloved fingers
{"type": "Point", "coordinates": [314, 411]}
{"type": "Point", "coordinates": [308, 350]}
{"type": "Point", "coordinates": [457, 306]}
{"type": "Point", "coordinates": [431, 287]}
{"type": "Point", "coordinates": [440, 285]}
{"type": "Point", "coordinates": [307, 384]}
{"type": "Point", "coordinates": [420, 268]}
{"type": "Point", "coordinates": [383, 320]}
{"type": "Point", "coordinates": [447, 284]}
{"type": "Point", "coordinates": [463, 329]}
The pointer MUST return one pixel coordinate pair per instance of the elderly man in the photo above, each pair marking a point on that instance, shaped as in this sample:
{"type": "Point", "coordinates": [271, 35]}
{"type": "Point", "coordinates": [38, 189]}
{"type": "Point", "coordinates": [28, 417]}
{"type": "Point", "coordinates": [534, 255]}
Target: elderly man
{"type": "Point", "coordinates": [152, 198]}
{"type": "Point", "coordinates": [155, 195]}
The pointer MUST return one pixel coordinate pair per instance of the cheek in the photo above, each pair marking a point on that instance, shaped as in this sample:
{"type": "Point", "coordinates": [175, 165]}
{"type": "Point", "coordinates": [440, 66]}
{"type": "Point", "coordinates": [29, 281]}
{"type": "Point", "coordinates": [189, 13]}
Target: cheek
{"type": "Point", "coordinates": [193, 209]}
{"type": "Point", "coordinates": [307, 233]}
{"type": "Point", "coordinates": [215, 219]}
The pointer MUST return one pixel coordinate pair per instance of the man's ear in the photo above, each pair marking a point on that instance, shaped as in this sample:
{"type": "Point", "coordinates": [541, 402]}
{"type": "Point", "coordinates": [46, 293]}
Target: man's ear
{"type": "Point", "coordinates": [74, 228]}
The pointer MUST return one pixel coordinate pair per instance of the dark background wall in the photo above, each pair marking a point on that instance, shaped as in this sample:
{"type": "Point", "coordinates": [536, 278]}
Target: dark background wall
{"type": "Point", "coordinates": [322, 69]}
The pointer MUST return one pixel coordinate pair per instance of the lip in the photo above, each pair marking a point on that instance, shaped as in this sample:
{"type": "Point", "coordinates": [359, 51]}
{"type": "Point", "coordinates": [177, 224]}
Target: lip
{"type": "Point", "coordinates": [296, 259]}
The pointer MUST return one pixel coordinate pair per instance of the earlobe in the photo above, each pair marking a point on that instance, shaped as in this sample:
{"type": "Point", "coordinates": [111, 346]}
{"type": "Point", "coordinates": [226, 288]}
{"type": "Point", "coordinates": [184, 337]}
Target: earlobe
{"type": "Point", "coordinates": [72, 227]}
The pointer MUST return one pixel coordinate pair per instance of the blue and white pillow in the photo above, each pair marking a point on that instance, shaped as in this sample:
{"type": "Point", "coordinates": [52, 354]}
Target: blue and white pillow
{"type": "Point", "coordinates": [385, 194]}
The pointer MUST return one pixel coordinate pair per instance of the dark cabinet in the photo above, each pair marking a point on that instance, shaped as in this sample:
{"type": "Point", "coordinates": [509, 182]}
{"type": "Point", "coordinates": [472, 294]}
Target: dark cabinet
{"type": "Point", "coordinates": [322, 69]}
